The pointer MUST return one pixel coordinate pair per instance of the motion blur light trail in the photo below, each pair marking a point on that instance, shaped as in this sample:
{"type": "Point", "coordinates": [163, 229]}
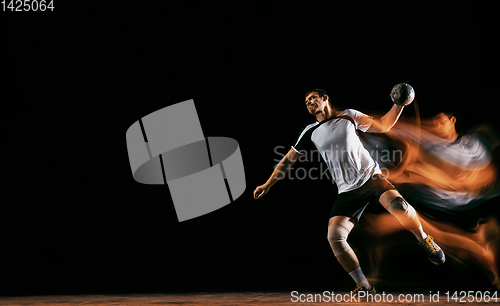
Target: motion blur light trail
{"type": "Point", "coordinates": [453, 182]}
{"type": "Point", "coordinates": [453, 174]}
{"type": "Point", "coordinates": [463, 247]}
{"type": "Point", "coordinates": [458, 171]}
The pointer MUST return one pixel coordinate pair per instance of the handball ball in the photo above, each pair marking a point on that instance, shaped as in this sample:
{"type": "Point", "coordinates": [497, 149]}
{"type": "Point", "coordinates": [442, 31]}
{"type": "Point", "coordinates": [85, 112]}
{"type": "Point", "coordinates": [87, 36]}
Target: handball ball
{"type": "Point", "coordinates": [402, 94]}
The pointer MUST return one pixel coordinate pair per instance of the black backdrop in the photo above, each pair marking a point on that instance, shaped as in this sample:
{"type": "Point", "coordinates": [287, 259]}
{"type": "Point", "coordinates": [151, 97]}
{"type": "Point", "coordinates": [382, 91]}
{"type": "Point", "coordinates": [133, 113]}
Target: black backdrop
{"type": "Point", "coordinates": [73, 220]}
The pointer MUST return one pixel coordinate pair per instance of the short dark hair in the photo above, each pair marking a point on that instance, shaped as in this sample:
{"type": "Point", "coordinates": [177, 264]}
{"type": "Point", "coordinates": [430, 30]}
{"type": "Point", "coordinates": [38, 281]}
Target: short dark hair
{"type": "Point", "coordinates": [321, 92]}
{"type": "Point", "coordinates": [459, 118]}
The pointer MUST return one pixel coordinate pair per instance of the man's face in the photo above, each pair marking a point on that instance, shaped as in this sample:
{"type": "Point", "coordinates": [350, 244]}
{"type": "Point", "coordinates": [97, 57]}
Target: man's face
{"type": "Point", "coordinates": [443, 125]}
{"type": "Point", "coordinates": [315, 104]}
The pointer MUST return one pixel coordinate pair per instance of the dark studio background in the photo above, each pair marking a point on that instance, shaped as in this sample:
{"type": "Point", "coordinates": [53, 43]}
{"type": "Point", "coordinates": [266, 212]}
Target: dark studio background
{"type": "Point", "coordinates": [73, 220]}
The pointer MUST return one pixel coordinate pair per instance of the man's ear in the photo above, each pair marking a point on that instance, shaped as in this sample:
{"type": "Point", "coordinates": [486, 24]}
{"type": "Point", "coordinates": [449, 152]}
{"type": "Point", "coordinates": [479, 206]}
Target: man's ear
{"type": "Point", "coordinates": [453, 119]}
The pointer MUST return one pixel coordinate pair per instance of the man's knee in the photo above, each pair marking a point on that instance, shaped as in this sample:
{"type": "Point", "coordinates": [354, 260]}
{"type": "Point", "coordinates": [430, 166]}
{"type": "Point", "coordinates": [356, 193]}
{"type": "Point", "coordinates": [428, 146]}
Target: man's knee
{"type": "Point", "coordinates": [399, 206]}
{"type": "Point", "coordinates": [337, 236]}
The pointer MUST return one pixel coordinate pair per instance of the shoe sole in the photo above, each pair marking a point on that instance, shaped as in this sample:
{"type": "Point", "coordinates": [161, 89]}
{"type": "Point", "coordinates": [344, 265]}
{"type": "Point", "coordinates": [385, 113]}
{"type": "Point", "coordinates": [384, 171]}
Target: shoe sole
{"type": "Point", "coordinates": [438, 263]}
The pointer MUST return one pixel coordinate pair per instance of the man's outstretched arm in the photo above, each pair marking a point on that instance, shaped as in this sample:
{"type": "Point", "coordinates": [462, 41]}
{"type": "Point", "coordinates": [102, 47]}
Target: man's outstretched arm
{"type": "Point", "coordinates": [279, 172]}
{"type": "Point", "coordinates": [387, 121]}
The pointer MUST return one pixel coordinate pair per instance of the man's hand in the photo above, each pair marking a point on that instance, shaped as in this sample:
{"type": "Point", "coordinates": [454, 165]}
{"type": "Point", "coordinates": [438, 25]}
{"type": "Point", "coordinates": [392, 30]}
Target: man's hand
{"type": "Point", "coordinates": [279, 172]}
{"type": "Point", "coordinates": [260, 191]}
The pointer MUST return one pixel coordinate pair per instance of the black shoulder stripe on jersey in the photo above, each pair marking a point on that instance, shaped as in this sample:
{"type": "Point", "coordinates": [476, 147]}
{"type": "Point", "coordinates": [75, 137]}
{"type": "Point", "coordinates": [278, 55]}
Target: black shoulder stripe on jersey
{"type": "Point", "coordinates": [299, 136]}
{"type": "Point", "coordinates": [310, 130]}
{"type": "Point", "coordinates": [307, 134]}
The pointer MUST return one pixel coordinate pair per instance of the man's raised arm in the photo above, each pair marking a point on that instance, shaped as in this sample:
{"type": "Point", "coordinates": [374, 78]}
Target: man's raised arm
{"type": "Point", "coordinates": [387, 121]}
{"type": "Point", "coordinates": [279, 172]}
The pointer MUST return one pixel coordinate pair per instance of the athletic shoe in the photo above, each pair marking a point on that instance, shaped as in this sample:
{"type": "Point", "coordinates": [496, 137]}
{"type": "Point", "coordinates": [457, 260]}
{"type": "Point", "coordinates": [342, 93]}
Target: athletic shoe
{"type": "Point", "coordinates": [434, 252]}
{"type": "Point", "coordinates": [360, 287]}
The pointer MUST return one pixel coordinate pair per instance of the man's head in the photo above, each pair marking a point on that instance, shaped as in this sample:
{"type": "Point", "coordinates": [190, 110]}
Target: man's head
{"type": "Point", "coordinates": [444, 125]}
{"type": "Point", "coordinates": [316, 101]}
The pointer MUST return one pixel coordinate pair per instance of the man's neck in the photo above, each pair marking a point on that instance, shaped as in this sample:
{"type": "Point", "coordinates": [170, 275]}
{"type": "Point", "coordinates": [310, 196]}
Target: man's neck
{"type": "Point", "coordinates": [327, 113]}
{"type": "Point", "coordinates": [452, 137]}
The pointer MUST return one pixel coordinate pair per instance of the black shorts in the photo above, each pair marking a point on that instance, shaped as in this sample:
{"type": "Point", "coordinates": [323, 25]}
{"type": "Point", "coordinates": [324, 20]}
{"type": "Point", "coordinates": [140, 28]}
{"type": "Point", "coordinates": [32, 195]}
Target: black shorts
{"type": "Point", "coordinates": [353, 203]}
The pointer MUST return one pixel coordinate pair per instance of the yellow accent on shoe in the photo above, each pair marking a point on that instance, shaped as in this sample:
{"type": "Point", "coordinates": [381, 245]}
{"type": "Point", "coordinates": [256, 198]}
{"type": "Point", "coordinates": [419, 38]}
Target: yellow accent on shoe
{"type": "Point", "coordinates": [427, 243]}
{"type": "Point", "coordinates": [434, 252]}
{"type": "Point", "coordinates": [360, 287]}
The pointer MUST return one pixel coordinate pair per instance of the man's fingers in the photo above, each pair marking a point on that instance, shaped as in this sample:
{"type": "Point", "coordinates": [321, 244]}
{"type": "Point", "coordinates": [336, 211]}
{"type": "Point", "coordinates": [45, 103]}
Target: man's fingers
{"type": "Point", "coordinates": [255, 193]}
{"type": "Point", "coordinates": [261, 193]}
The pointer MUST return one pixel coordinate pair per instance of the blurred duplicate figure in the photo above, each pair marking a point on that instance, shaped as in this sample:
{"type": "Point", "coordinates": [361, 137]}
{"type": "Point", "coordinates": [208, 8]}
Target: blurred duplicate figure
{"type": "Point", "coordinates": [463, 158]}
{"type": "Point", "coordinates": [358, 177]}
{"type": "Point", "coordinates": [452, 169]}
{"type": "Point", "coordinates": [444, 126]}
